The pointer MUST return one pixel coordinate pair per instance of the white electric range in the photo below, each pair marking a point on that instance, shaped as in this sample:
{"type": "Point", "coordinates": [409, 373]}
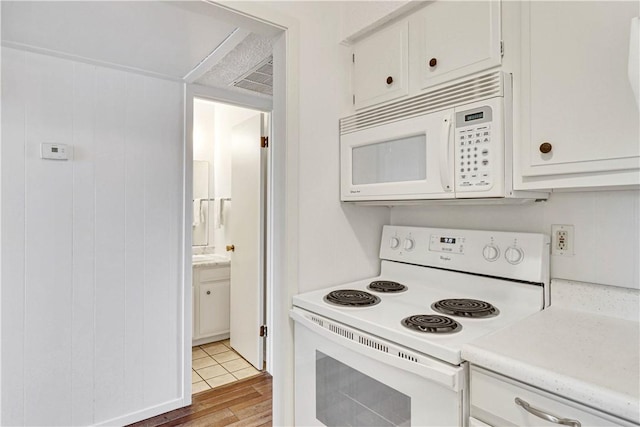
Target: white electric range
{"type": "Point", "coordinates": [386, 350]}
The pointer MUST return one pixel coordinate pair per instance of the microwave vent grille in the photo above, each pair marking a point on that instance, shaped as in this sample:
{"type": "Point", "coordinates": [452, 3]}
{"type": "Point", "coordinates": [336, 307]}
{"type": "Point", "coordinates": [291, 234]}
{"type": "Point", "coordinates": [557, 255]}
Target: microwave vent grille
{"type": "Point", "coordinates": [462, 92]}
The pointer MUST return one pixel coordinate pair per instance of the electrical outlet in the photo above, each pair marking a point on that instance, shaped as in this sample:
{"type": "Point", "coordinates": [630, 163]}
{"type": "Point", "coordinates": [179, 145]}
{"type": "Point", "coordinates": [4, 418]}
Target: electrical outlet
{"type": "Point", "coordinates": [562, 239]}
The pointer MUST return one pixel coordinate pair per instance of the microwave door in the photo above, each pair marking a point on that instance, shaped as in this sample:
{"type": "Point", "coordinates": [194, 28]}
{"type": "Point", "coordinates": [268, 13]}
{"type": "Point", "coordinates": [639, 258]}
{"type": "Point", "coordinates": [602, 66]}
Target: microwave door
{"type": "Point", "coordinates": [407, 159]}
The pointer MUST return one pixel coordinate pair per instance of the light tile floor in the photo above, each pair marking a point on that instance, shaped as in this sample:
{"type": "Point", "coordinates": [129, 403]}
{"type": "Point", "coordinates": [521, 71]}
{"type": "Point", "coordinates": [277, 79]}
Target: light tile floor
{"type": "Point", "coordinates": [216, 364]}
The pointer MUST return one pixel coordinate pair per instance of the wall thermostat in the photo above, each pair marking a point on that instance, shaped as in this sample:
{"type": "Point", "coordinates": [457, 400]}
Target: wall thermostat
{"type": "Point", "coordinates": [54, 151]}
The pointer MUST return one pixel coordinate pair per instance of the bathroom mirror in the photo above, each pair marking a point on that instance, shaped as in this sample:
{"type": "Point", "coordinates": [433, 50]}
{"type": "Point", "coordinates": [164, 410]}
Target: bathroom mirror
{"type": "Point", "coordinates": [200, 219]}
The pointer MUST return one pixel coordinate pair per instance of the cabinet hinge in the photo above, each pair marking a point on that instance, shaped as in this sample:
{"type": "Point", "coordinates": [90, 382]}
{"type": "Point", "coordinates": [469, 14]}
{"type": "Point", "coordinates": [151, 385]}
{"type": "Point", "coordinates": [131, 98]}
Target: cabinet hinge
{"type": "Point", "coordinates": [353, 58]}
{"type": "Point", "coordinates": [501, 48]}
{"type": "Point", "coordinates": [264, 141]}
{"type": "Point", "coordinates": [263, 330]}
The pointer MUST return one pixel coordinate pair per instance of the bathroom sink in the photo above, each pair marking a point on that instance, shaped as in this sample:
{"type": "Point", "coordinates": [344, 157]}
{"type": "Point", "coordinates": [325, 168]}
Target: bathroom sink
{"type": "Point", "coordinates": [206, 258]}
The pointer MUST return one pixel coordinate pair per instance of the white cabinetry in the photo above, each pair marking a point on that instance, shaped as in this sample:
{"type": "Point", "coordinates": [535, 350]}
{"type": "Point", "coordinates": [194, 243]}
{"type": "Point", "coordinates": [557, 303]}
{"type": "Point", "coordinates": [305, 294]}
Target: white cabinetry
{"type": "Point", "coordinates": [443, 41]}
{"type": "Point", "coordinates": [493, 403]}
{"type": "Point", "coordinates": [451, 39]}
{"type": "Point", "coordinates": [579, 116]}
{"type": "Point", "coordinates": [380, 66]}
{"type": "Point", "coordinates": [211, 305]}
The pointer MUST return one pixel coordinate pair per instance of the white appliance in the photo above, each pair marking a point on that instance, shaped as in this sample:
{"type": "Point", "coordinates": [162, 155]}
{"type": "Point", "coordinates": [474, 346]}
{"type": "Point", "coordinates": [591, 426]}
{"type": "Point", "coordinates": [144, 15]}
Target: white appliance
{"type": "Point", "coordinates": [453, 142]}
{"type": "Point", "coordinates": [391, 356]}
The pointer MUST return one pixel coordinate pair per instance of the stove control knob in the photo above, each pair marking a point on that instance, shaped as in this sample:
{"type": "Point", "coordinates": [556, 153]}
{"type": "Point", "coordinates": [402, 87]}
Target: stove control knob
{"type": "Point", "coordinates": [409, 244]}
{"type": "Point", "coordinates": [514, 255]}
{"type": "Point", "coordinates": [394, 242]}
{"type": "Point", "coordinates": [491, 252]}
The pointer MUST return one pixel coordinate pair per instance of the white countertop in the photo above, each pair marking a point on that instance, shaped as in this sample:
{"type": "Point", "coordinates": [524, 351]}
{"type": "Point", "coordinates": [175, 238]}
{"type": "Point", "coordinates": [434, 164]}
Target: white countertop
{"type": "Point", "coordinates": [586, 356]}
{"type": "Point", "coordinates": [211, 260]}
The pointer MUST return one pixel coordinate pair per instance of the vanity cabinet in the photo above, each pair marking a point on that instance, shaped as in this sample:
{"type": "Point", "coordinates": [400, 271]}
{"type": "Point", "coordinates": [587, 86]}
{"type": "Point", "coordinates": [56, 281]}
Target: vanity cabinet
{"type": "Point", "coordinates": [211, 305]}
{"type": "Point", "coordinates": [380, 66]}
{"type": "Point", "coordinates": [579, 116]}
{"type": "Point", "coordinates": [497, 400]}
{"type": "Point", "coordinates": [451, 39]}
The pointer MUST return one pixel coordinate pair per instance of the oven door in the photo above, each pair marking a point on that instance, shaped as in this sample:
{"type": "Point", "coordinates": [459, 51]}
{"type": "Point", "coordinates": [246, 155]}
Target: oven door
{"type": "Point", "coordinates": [408, 159]}
{"type": "Point", "coordinates": [345, 377]}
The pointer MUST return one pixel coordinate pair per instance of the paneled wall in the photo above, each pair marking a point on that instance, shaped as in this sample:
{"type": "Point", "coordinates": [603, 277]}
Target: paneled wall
{"type": "Point", "coordinates": [91, 258]}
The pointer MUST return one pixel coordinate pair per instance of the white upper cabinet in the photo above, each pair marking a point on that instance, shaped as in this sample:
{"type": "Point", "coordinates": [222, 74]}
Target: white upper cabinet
{"type": "Point", "coordinates": [453, 39]}
{"type": "Point", "coordinates": [380, 66]}
{"type": "Point", "coordinates": [579, 116]}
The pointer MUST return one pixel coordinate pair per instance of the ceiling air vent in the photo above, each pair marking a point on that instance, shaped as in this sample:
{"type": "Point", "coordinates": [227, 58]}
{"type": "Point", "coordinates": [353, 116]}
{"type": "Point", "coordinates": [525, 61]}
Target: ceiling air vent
{"type": "Point", "coordinates": [259, 79]}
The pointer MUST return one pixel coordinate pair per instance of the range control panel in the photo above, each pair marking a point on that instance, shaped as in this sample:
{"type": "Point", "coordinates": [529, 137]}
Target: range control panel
{"type": "Point", "coordinates": [446, 244]}
{"type": "Point", "coordinates": [521, 256]}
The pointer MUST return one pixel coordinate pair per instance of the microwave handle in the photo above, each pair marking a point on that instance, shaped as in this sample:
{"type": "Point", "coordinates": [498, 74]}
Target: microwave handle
{"type": "Point", "coordinates": [445, 167]}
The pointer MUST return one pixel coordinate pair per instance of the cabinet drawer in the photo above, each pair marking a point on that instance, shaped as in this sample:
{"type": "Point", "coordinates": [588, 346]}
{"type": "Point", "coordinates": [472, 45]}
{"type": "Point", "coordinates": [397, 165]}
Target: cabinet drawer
{"type": "Point", "coordinates": [493, 402]}
{"type": "Point", "coordinates": [213, 274]}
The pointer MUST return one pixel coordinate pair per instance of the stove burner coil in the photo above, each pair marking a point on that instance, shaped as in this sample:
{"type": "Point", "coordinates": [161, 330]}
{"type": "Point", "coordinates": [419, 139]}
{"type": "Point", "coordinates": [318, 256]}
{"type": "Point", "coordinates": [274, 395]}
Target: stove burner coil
{"type": "Point", "coordinates": [465, 308]}
{"type": "Point", "coordinates": [431, 323]}
{"type": "Point", "coordinates": [351, 298]}
{"type": "Point", "coordinates": [386, 286]}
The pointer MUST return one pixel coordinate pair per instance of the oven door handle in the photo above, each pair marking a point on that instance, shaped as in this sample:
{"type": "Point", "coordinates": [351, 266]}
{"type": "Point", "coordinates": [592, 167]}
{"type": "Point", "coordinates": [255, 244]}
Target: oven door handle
{"type": "Point", "coordinates": [448, 376]}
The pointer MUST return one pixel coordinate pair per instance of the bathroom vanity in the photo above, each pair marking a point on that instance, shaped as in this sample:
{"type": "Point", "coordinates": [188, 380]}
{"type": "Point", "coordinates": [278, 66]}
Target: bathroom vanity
{"type": "Point", "coordinates": [211, 283]}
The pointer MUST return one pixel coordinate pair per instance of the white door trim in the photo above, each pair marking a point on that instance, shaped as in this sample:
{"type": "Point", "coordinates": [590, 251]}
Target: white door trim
{"type": "Point", "coordinates": [282, 227]}
{"type": "Point", "coordinates": [193, 91]}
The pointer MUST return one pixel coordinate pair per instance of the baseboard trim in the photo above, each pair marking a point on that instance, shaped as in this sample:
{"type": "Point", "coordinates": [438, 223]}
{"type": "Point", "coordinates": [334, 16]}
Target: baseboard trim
{"type": "Point", "coordinates": [145, 413]}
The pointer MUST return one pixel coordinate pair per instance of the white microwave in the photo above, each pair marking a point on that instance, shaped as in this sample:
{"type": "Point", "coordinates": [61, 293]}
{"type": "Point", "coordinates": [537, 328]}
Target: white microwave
{"type": "Point", "coordinates": [451, 143]}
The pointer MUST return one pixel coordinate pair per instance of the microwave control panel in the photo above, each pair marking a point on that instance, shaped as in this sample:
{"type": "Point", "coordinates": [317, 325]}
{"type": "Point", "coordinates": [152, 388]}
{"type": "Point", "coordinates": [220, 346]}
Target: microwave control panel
{"type": "Point", "coordinates": [473, 149]}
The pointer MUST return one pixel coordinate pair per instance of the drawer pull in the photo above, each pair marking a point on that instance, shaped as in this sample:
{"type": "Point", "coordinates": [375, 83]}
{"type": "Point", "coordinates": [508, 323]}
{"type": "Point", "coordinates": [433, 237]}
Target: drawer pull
{"type": "Point", "coordinates": [545, 416]}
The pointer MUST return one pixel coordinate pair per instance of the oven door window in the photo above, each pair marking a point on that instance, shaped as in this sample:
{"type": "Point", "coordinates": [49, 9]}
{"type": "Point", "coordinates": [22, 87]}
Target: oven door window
{"type": "Point", "coordinates": [347, 397]}
{"type": "Point", "coordinates": [398, 160]}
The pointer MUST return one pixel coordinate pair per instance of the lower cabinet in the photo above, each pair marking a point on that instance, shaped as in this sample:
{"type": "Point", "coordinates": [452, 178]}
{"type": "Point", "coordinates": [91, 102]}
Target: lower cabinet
{"type": "Point", "coordinates": [497, 400]}
{"type": "Point", "coordinates": [210, 303]}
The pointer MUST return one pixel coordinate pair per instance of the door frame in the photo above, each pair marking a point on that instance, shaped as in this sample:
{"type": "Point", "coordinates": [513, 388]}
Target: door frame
{"type": "Point", "coordinates": [236, 99]}
{"type": "Point", "coordinates": [282, 226]}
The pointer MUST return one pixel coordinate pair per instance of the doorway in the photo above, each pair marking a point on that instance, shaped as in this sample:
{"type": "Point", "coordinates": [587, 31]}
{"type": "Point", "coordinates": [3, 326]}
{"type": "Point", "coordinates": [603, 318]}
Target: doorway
{"type": "Point", "coordinates": [230, 199]}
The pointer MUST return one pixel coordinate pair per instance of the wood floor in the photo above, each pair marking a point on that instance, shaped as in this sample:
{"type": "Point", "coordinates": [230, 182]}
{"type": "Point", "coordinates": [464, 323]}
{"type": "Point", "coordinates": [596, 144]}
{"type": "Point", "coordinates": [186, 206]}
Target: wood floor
{"type": "Point", "coordinates": [245, 403]}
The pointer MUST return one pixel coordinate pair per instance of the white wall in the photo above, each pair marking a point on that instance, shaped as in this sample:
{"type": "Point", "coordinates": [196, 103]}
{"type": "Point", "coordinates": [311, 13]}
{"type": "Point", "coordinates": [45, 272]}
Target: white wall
{"type": "Point", "coordinates": [204, 125]}
{"type": "Point", "coordinates": [607, 230]}
{"type": "Point", "coordinates": [91, 259]}
{"type": "Point", "coordinates": [361, 17]}
{"type": "Point", "coordinates": [336, 242]}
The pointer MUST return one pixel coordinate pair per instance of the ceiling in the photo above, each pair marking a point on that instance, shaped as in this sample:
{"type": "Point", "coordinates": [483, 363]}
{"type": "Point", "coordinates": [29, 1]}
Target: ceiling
{"type": "Point", "coordinates": [176, 40]}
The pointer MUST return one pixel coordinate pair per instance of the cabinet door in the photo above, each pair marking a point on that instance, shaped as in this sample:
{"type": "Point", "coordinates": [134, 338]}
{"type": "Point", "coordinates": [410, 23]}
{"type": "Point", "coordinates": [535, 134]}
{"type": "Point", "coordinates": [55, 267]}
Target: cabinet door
{"type": "Point", "coordinates": [214, 308]}
{"type": "Point", "coordinates": [456, 39]}
{"type": "Point", "coordinates": [380, 66]}
{"type": "Point", "coordinates": [575, 91]}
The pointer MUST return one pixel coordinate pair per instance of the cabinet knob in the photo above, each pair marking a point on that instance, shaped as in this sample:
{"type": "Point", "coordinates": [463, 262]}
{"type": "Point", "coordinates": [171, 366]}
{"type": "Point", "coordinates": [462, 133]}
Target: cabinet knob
{"type": "Point", "coordinates": [208, 292]}
{"type": "Point", "coordinates": [389, 80]}
{"type": "Point", "coordinates": [231, 248]}
{"type": "Point", "coordinates": [545, 147]}
{"type": "Point", "coordinates": [433, 62]}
